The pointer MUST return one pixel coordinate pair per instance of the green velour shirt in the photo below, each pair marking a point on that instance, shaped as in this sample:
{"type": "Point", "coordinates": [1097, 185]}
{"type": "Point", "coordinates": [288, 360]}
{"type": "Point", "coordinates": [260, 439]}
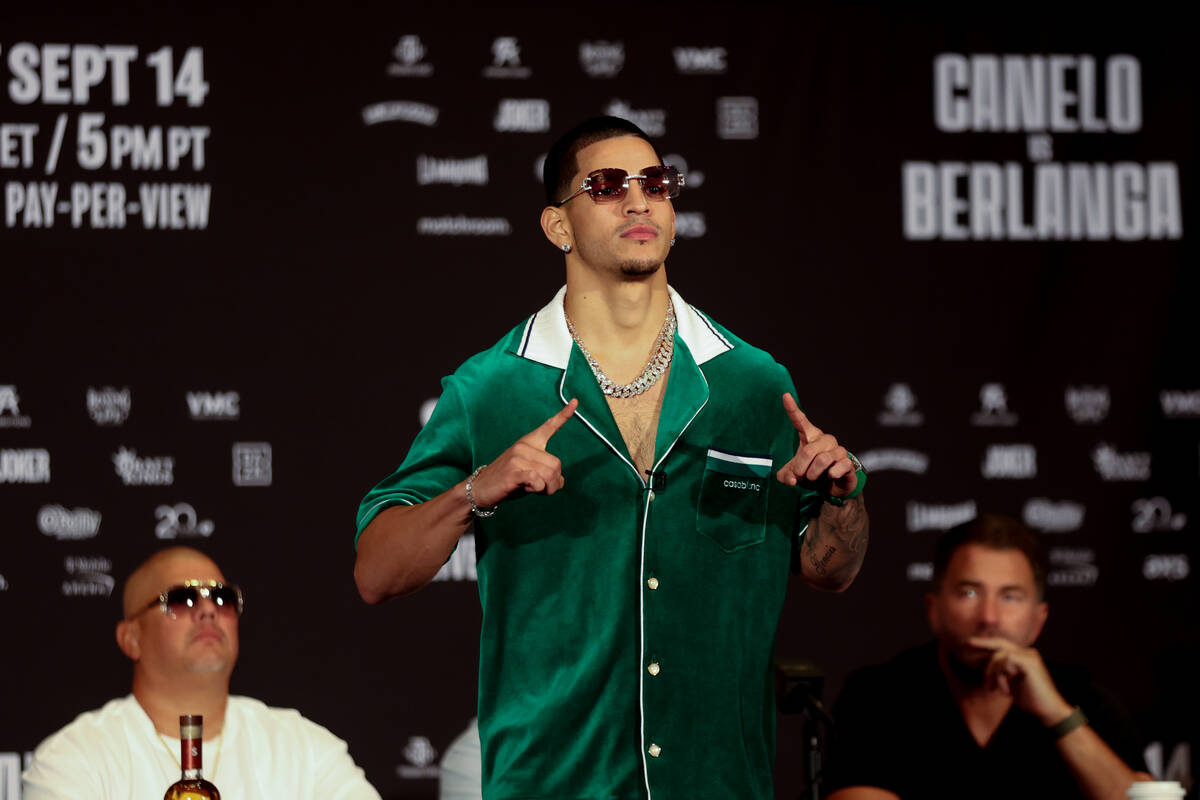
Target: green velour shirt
{"type": "Point", "coordinates": [627, 648]}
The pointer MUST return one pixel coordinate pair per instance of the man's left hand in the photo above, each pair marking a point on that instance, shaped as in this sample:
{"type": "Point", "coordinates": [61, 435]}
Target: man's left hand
{"type": "Point", "coordinates": [819, 458]}
{"type": "Point", "coordinates": [1020, 672]}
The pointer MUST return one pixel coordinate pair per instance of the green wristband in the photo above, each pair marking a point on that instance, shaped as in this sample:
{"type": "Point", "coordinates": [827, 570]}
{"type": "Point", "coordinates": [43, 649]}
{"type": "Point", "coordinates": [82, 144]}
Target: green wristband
{"type": "Point", "coordinates": [1074, 720]}
{"type": "Point", "coordinates": [858, 489]}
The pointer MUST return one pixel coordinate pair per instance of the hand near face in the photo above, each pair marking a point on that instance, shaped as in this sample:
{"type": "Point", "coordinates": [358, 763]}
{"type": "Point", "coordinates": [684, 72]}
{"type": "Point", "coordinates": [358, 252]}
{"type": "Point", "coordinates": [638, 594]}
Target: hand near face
{"type": "Point", "coordinates": [526, 466]}
{"type": "Point", "coordinates": [1020, 672]}
{"type": "Point", "coordinates": [819, 458]}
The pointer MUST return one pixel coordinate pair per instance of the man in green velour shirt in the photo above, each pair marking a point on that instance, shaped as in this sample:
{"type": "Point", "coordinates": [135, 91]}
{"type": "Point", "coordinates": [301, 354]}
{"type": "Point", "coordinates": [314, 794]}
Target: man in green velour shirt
{"type": "Point", "coordinates": [633, 546]}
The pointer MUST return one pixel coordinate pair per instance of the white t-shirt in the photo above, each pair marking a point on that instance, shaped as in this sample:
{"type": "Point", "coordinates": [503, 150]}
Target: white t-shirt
{"type": "Point", "coordinates": [114, 753]}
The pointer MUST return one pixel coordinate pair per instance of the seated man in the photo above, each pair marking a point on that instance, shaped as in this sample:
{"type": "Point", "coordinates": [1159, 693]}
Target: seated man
{"type": "Point", "coordinates": [977, 713]}
{"type": "Point", "coordinates": [181, 632]}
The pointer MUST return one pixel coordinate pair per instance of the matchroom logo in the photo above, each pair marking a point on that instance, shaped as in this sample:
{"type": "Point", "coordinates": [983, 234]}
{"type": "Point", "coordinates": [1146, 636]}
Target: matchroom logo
{"type": "Point", "coordinates": [10, 411]}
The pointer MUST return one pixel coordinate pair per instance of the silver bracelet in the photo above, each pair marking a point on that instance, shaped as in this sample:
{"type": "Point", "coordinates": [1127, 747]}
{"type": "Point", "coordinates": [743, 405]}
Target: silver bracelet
{"type": "Point", "coordinates": [476, 510]}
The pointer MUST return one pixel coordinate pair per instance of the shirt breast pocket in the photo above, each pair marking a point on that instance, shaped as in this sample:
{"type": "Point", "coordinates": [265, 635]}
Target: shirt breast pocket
{"type": "Point", "coordinates": [733, 499]}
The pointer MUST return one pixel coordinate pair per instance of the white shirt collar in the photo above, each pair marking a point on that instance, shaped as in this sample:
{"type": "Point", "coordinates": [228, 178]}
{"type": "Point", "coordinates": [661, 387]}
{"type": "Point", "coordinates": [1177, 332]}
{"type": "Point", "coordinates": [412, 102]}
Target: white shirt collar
{"type": "Point", "coordinates": [547, 340]}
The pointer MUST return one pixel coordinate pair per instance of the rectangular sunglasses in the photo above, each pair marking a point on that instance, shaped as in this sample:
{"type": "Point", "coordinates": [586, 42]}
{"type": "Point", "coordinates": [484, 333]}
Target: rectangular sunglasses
{"type": "Point", "coordinates": [187, 595]}
{"type": "Point", "coordinates": [610, 185]}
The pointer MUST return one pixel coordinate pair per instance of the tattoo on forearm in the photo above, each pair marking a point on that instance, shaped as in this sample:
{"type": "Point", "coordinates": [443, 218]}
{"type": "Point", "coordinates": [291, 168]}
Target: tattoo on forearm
{"type": "Point", "coordinates": [840, 535]}
{"type": "Point", "coordinates": [820, 563]}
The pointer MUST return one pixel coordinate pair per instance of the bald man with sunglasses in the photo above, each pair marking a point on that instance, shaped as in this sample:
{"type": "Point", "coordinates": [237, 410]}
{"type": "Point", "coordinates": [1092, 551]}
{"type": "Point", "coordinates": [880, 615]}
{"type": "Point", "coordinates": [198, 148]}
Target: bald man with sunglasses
{"type": "Point", "coordinates": [180, 630]}
{"type": "Point", "coordinates": [639, 480]}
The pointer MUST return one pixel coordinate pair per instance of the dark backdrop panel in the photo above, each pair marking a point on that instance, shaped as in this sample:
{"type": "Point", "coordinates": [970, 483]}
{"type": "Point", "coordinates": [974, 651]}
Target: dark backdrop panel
{"type": "Point", "coordinates": [343, 268]}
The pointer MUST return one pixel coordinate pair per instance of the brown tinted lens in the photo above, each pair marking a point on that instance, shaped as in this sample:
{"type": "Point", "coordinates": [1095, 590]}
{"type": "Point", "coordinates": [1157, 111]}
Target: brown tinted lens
{"type": "Point", "coordinates": [225, 597]}
{"type": "Point", "coordinates": [607, 185]}
{"type": "Point", "coordinates": [661, 182]}
{"type": "Point", "coordinates": [182, 597]}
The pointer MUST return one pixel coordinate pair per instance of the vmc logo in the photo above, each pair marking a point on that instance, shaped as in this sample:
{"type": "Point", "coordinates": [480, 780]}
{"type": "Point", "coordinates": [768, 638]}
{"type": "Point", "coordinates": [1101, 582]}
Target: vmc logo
{"type": "Point", "coordinates": [214, 405]}
{"type": "Point", "coordinates": [700, 60]}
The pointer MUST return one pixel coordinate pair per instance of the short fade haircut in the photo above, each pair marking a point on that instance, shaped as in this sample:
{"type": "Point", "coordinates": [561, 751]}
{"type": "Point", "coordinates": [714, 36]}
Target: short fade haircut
{"type": "Point", "coordinates": [996, 532]}
{"type": "Point", "coordinates": [561, 162]}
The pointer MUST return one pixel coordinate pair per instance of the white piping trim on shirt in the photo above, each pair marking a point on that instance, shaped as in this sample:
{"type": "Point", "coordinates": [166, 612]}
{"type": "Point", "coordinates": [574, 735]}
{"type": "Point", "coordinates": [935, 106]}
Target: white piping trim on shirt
{"type": "Point", "coordinates": [562, 381]}
{"type": "Point", "coordinates": [642, 597]}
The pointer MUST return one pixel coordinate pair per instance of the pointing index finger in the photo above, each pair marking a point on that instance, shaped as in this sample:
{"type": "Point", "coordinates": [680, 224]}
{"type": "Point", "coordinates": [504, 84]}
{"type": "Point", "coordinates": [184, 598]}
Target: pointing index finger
{"type": "Point", "coordinates": [542, 433]}
{"type": "Point", "coordinates": [800, 421]}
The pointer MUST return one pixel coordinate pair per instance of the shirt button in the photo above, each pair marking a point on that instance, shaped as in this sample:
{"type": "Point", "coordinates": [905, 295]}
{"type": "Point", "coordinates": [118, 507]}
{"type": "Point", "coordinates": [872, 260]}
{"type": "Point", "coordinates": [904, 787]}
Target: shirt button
{"type": "Point", "coordinates": [652, 583]}
{"type": "Point", "coordinates": [654, 668]}
{"type": "Point", "coordinates": [654, 751]}
{"type": "Point", "coordinates": [652, 495]}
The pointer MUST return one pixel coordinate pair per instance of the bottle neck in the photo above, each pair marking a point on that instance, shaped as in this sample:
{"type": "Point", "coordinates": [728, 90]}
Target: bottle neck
{"type": "Point", "coordinates": [192, 775]}
{"type": "Point", "coordinates": [191, 740]}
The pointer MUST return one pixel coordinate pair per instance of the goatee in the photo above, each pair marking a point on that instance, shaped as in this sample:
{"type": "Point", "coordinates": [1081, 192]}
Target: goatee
{"type": "Point", "coordinates": [640, 269]}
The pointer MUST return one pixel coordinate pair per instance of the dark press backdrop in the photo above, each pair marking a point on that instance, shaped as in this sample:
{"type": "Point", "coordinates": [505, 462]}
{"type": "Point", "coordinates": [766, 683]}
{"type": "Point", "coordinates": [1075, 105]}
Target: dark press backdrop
{"type": "Point", "coordinates": [241, 249]}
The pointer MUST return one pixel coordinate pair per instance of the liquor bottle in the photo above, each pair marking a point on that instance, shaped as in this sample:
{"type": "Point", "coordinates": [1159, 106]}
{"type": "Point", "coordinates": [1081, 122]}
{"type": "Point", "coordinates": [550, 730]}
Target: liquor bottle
{"type": "Point", "coordinates": [192, 785]}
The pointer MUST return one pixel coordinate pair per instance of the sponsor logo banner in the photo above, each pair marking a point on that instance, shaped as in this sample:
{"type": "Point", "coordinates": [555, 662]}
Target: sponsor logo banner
{"type": "Point", "coordinates": [900, 407]}
{"type": "Point", "coordinates": [737, 118]}
{"type": "Point", "coordinates": [700, 60]}
{"type": "Point", "coordinates": [453, 171]}
{"type": "Point", "coordinates": [463, 226]}
{"type": "Point", "coordinates": [919, 572]}
{"type": "Point", "coordinates": [1169, 567]}
{"type": "Point", "coordinates": [400, 111]}
{"type": "Point", "coordinates": [1087, 405]}
{"type": "Point", "coordinates": [252, 464]}
{"type": "Point", "coordinates": [506, 59]}
{"type": "Point", "coordinates": [694, 177]}
{"type": "Point", "coordinates": [1072, 566]}
{"type": "Point", "coordinates": [938, 517]}
{"type": "Point", "coordinates": [1010, 461]}
{"type": "Point", "coordinates": [87, 576]}
{"type": "Point", "coordinates": [1174, 403]}
{"type": "Point", "coordinates": [1049, 516]}
{"type": "Point", "coordinates": [652, 120]}
{"type": "Point", "coordinates": [214, 405]}
{"type": "Point", "coordinates": [421, 757]}
{"type": "Point", "coordinates": [30, 465]}
{"type": "Point", "coordinates": [993, 407]}
{"type": "Point", "coordinates": [690, 224]}
{"type": "Point", "coordinates": [602, 59]}
{"type": "Point", "coordinates": [522, 116]}
{"type": "Point", "coordinates": [181, 521]}
{"type": "Point", "coordinates": [109, 406]}
{"type": "Point", "coordinates": [1154, 514]}
{"type": "Point", "coordinates": [1116, 466]}
{"type": "Point", "coordinates": [895, 458]}
{"type": "Point", "coordinates": [150, 471]}
{"type": "Point", "coordinates": [10, 411]}
{"type": "Point", "coordinates": [78, 523]}
{"type": "Point", "coordinates": [409, 53]}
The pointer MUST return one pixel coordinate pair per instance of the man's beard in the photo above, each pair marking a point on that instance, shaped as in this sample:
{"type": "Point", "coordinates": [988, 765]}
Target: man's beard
{"type": "Point", "coordinates": [639, 269]}
{"type": "Point", "coordinates": [968, 675]}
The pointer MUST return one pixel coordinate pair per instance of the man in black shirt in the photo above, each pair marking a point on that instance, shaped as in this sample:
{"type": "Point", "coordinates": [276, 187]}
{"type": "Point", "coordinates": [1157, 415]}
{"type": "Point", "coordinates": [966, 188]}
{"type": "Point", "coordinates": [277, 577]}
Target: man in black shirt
{"type": "Point", "coordinates": [978, 713]}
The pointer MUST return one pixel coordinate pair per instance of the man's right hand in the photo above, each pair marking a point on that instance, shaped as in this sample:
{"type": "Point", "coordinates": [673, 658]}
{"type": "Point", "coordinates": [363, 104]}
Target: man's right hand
{"type": "Point", "coordinates": [524, 467]}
